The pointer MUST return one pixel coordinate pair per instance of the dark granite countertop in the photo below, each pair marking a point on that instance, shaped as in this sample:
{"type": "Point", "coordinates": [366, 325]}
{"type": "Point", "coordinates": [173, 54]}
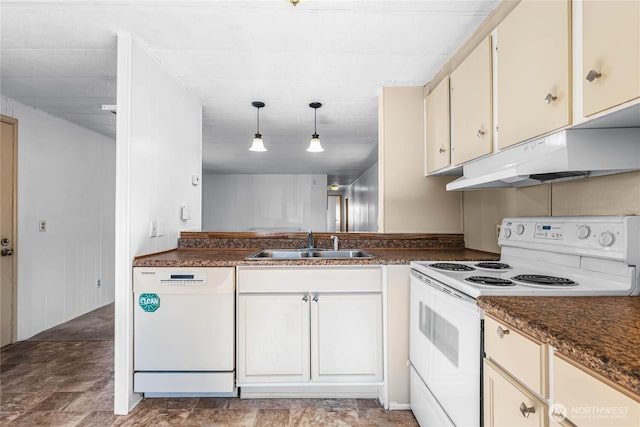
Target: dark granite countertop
{"type": "Point", "coordinates": [232, 257]}
{"type": "Point", "coordinates": [600, 333]}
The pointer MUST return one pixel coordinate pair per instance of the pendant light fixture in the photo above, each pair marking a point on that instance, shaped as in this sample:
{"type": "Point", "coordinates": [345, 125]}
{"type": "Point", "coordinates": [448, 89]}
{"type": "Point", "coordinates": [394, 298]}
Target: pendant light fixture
{"type": "Point", "coordinates": [257, 145]}
{"type": "Point", "coordinates": [314, 144]}
{"type": "Point", "coordinates": [294, 2]}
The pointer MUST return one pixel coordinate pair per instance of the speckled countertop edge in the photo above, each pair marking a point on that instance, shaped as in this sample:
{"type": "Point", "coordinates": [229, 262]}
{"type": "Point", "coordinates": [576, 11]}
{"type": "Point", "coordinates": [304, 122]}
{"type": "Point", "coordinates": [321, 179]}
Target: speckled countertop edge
{"type": "Point", "coordinates": [236, 257]}
{"type": "Point", "coordinates": [600, 333]}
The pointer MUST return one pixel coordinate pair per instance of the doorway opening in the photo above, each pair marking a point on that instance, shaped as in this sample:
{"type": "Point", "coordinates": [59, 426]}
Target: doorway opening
{"type": "Point", "coordinates": [334, 213]}
{"type": "Point", "coordinates": [8, 187]}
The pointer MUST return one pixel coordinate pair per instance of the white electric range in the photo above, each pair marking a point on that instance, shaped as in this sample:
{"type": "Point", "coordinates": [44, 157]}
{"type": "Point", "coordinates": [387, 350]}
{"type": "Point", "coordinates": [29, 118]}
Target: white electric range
{"type": "Point", "coordinates": [547, 256]}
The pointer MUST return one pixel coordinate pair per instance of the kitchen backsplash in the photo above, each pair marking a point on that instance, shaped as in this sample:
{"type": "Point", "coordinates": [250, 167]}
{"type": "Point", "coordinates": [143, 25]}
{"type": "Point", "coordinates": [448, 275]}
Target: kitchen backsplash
{"type": "Point", "coordinates": [606, 195]}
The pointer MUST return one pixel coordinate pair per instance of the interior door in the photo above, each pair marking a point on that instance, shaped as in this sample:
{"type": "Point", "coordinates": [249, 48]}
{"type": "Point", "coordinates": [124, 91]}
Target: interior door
{"type": "Point", "coordinates": [7, 227]}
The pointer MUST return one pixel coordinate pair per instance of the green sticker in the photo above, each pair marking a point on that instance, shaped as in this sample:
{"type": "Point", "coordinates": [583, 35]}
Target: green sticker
{"type": "Point", "coordinates": [149, 302]}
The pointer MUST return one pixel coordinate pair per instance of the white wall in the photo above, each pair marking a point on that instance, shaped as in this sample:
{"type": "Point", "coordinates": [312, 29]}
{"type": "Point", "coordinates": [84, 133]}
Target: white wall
{"type": "Point", "coordinates": [264, 202]}
{"type": "Point", "coordinates": [66, 176]}
{"type": "Point", "coordinates": [363, 201]}
{"type": "Point", "coordinates": [159, 148]}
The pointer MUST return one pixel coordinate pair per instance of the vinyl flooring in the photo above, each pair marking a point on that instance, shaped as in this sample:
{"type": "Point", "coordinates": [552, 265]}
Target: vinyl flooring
{"type": "Point", "coordinates": [66, 379]}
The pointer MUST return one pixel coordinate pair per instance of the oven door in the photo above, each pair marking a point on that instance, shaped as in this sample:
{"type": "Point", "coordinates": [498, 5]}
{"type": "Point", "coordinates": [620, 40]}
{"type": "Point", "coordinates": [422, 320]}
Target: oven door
{"type": "Point", "coordinates": [445, 347]}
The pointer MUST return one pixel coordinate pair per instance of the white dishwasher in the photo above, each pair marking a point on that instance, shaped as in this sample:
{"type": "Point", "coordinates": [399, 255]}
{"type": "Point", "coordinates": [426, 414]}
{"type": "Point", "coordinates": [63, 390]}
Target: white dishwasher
{"type": "Point", "coordinates": [184, 329]}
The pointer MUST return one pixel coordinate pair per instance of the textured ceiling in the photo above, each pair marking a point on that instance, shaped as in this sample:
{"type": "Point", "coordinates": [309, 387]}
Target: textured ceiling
{"type": "Point", "coordinates": [60, 56]}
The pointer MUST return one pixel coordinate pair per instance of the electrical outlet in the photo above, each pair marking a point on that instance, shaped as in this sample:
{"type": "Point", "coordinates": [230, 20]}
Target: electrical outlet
{"type": "Point", "coordinates": [99, 284]}
{"type": "Point", "coordinates": [42, 225]}
{"type": "Point", "coordinates": [498, 226]}
{"type": "Point", "coordinates": [153, 228]}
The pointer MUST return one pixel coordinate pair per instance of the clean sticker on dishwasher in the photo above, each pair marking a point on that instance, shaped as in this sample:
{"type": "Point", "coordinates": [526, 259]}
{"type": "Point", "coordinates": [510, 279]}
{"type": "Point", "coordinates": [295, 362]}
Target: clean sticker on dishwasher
{"type": "Point", "coordinates": [149, 302]}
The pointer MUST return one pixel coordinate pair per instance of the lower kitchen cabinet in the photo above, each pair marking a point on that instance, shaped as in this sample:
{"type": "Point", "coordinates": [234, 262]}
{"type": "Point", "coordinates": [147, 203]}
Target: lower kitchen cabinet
{"type": "Point", "coordinates": [346, 337]}
{"type": "Point", "coordinates": [273, 331]}
{"type": "Point", "coordinates": [309, 326]}
{"type": "Point", "coordinates": [581, 399]}
{"type": "Point", "coordinates": [509, 404]}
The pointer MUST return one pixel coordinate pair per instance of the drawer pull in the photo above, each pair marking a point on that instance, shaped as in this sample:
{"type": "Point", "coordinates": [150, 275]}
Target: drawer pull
{"type": "Point", "coordinates": [593, 75]}
{"type": "Point", "coordinates": [525, 410]}
{"type": "Point", "coordinates": [502, 332]}
{"type": "Point", "coordinates": [550, 98]}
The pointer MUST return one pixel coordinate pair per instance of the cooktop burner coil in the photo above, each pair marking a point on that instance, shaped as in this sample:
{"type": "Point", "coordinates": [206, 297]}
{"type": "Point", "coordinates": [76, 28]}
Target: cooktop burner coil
{"type": "Point", "coordinates": [493, 265]}
{"type": "Point", "coordinates": [451, 266]}
{"type": "Point", "coordinates": [544, 280]}
{"type": "Point", "coordinates": [490, 281]}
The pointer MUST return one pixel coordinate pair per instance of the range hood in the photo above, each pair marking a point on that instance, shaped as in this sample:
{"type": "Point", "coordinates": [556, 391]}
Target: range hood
{"type": "Point", "coordinates": [561, 156]}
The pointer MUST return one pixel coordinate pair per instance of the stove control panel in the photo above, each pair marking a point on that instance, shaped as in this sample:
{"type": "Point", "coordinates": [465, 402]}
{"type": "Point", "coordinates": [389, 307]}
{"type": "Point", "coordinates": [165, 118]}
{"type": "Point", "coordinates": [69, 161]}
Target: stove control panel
{"type": "Point", "coordinates": [548, 231]}
{"type": "Point", "coordinates": [605, 237]}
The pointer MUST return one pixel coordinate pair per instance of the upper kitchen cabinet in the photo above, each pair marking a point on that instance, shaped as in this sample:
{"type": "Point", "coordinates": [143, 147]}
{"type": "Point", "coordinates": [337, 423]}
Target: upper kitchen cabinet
{"type": "Point", "coordinates": [471, 103]}
{"type": "Point", "coordinates": [611, 54]}
{"type": "Point", "coordinates": [438, 127]}
{"type": "Point", "coordinates": [533, 66]}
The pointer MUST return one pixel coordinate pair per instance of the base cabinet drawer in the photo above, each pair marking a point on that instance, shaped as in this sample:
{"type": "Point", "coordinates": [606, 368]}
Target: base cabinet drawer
{"type": "Point", "coordinates": [518, 354]}
{"type": "Point", "coordinates": [583, 400]}
{"type": "Point", "coordinates": [507, 403]}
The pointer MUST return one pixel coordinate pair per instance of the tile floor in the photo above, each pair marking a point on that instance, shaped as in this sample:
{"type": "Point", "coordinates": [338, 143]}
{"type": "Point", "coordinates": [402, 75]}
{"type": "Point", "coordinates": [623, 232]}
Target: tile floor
{"type": "Point", "coordinates": [70, 383]}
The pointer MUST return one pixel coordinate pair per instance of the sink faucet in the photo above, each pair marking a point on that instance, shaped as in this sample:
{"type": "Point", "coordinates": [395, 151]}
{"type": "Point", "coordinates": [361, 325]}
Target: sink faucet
{"type": "Point", "coordinates": [335, 242]}
{"type": "Point", "coordinates": [310, 239]}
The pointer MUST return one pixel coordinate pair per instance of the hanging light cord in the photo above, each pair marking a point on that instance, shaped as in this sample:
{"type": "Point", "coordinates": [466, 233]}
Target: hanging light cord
{"type": "Point", "coordinates": [315, 116]}
{"type": "Point", "coordinates": [258, 120]}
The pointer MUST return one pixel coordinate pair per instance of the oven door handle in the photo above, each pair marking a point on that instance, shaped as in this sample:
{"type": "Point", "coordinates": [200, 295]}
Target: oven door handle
{"type": "Point", "coordinates": [429, 281]}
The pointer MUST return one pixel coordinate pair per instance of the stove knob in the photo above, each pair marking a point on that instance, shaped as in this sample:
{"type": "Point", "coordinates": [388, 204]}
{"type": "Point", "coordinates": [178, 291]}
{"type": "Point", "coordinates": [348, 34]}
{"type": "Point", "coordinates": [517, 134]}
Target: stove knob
{"type": "Point", "coordinates": [607, 239]}
{"type": "Point", "coordinates": [583, 231]}
{"type": "Point", "coordinates": [507, 233]}
{"type": "Point", "coordinates": [519, 229]}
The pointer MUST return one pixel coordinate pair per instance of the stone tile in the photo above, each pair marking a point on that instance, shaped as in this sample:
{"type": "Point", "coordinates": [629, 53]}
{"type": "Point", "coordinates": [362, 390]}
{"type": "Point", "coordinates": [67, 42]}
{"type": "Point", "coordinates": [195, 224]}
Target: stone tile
{"type": "Point", "coordinates": [49, 418]}
{"type": "Point", "coordinates": [272, 418]}
{"type": "Point", "coordinates": [98, 419]}
{"type": "Point", "coordinates": [222, 417]}
{"type": "Point", "coordinates": [316, 417]}
{"type": "Point", "coordinates": [381, 418]}
{"type": "Point", "coordinates": [212, 403]}
{"type": "Point", "coordinates": [57, 401]}
{"type": "Point", "coordinates": [250, 404]}
{"type": "Point", "coordinates": [367, 403]}
{"type": "Point", "coordinates": [21, 402]}
{"type": "Point", "coordinates": [92, 401]}
{"type": "Point", "coordinates": [7, 416]}
{"type": "Point", "coordinates": [169, 403]}
{"type": "Point", "coordinates": [154, 417]}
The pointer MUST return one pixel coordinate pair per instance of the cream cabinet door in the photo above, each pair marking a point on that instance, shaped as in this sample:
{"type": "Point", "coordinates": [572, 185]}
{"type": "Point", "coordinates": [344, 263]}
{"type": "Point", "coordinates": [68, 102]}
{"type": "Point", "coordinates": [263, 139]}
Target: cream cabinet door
{"type": "Point", "coordinates": [346, 337]}
{"type": "Point", "coordinates": [438, 127]}
{"type": "Point", "coordinates": [273, 338]}
{"type": "Point", "coordinates": [471, 102]}
{"type": "Point", "coordinates": [611, 53]}
{"type": "Point", "coordinates": [533, 66]}
{"type": "Point", "coordinates": [586, 401]}
{"type": "Point", "coordinates": [508, 404]}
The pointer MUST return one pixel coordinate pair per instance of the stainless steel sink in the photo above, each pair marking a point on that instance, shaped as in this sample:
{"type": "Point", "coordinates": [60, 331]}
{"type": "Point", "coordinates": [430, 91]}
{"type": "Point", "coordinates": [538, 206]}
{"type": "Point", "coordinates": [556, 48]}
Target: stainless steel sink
{"type": "Point", "coordinates": [308, 254]}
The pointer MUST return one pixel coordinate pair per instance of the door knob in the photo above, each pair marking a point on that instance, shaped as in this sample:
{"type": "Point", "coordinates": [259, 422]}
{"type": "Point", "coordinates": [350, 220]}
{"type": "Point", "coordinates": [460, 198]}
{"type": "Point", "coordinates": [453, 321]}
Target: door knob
{"type": "Point", "coordinates": [550, 98]}
{"type": "Point", "coordinates": [6, 252]}
{"type": "Point", "coordinates": [4, 242]}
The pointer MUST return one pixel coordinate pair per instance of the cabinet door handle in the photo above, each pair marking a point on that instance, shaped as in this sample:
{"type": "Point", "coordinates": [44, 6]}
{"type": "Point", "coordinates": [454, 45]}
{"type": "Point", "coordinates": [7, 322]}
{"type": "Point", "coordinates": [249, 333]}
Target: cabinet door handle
{"type": "Point", "coordinates": [526, 411]}
{"type": "Point", "coordinates": [502, 332]}
{"type": "Point", "coordinates": [305, 298]}
{"type": "Point", "coordinates": [593, 75]}
{"type": "Point", "coordinates": [550, 98]}
{"type": "Point", "coordinates": [480, 133]}
{"type": "Point", "coordinates": [442, 150]}
{"type": "Point", "coordinates": [315, 298]}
